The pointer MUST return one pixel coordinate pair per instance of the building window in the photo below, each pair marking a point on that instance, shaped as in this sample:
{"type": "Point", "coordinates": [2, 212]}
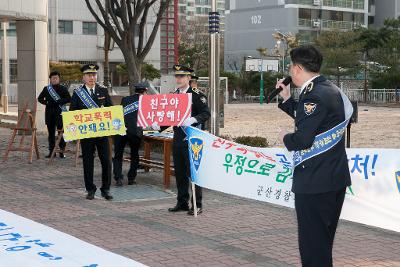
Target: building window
{"type": "Point", "coordinates": [49, 25]}
{"type": "Point", "coordinates": [12, 71]}
{"type": "Point", "coordinates": [89, 28]}
{"type": "Point", "coordinates": [65, 27]}
{"type": "Point", "coordinates": [11, 29]}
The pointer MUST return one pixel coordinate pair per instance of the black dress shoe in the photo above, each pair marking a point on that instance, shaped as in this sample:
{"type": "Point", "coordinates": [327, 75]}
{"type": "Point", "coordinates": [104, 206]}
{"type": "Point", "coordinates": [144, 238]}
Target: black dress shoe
{"type": "Point", "coordinates": [178, 208]}
{"type": "Point", "coordinates": [62, 155]}
{"type": "Point", "coordinates": [106, 195]}
{"type": "Point", "coordinates": [131, 182]}
{"type": "Point", "coordinates": [49, 155]}
{"type": "Point", "coordinates": [118, 182]}
{"type": "Point", "coordinates": [90, 195]}
{"type": "Point", "coordinates": [191, 211]}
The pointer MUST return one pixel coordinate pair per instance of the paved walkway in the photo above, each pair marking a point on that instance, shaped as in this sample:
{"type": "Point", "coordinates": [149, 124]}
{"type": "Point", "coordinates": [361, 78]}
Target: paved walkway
{"type": "Point", "coordinates": [231, 232]}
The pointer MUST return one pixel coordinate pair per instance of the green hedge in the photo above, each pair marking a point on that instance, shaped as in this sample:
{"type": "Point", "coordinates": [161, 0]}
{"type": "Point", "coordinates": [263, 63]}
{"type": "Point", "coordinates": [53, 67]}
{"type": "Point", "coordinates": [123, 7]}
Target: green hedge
{"type": "Point", "coordinates": [255, 141]}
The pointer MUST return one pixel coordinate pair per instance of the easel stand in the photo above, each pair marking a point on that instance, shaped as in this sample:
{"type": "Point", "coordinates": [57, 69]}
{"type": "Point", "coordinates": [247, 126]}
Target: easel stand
{"type": "Point", "coordinates": [60, 134]}
{"type": "Point", "coordinates": [26, 125]}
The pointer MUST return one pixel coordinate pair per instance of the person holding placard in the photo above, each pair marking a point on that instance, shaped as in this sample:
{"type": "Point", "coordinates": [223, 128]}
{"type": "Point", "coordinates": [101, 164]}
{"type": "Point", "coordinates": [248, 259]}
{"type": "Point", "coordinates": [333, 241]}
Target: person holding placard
{"type": "Point", "coordinates": [133, 137]}
{"type": "Point", "coordinates": [200, 114]}
{"type": "Point", "coordinates": [91, 95]}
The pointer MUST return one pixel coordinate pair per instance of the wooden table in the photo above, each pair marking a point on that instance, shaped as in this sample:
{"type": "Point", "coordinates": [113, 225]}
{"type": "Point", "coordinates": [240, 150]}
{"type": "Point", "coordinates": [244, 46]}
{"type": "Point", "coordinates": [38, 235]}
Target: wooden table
{"type": "Point", "coordinates": [166, 165]}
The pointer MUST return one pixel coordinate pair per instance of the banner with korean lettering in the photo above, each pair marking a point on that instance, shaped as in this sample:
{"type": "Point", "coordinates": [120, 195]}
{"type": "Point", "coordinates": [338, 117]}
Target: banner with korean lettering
{"type": "Point", "coordinates": [24, 242]}
{"type": "Point", "coordinates": [265, 174]}
{"type": "Point", "coordinates": [96, 122]}
{"type": "Point", "coordinates": [165, 109]}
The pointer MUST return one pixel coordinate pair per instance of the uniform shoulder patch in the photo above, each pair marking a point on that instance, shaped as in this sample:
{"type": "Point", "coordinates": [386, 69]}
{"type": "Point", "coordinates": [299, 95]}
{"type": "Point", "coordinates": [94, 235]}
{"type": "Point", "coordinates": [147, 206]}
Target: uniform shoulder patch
{"type": "Point", "coordinates": [309, 108]}
{"type": "Point", "coordinates": [203, 99]}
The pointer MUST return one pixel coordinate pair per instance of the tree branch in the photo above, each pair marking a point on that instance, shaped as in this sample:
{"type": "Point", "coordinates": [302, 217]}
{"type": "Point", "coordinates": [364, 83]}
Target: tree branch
{"type": "Point", "coordinates": [142, 25]}
{"type": "Point", "coordinates": [113, 16]}
{"type": "Point", "coordinates": [124, 15]}
{"type": "Point", "coordinates": [106, 24]}
{"type": "Point", "coordinates": [163, 6]}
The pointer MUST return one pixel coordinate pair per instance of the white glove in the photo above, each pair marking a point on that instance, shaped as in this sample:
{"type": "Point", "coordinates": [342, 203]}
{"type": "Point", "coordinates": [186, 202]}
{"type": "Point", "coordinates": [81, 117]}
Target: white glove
{"type": "Point", "coordinates": [189, 121]}
{"type": "Point", "coordinates": [155, 126]}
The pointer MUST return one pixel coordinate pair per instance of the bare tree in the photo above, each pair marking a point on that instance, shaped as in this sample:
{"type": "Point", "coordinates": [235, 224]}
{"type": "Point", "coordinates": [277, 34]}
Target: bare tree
{"type": "Point", "coordinates": [193, 42]}
{"type": "Point", "coordinates": [125, 21]}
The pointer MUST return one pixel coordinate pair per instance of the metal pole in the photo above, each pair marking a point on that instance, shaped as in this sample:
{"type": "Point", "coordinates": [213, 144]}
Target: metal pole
{"type": "Point", "coordinates": [5, 68]}
{"type": "Point", "coordinates": [365, 78]}
{"type": "Point", "coordinates": [261, 87]}
{"type": "Point", "coordinates": [214, 66]}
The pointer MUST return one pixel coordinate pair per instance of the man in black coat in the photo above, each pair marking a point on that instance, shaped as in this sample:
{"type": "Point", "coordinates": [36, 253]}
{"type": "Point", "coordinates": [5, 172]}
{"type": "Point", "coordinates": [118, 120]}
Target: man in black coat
{"type": "Point", "coordinates": [133, 137]}
{"type": "Point", "coordinates": [320, 181]}
{"type": "Point", "coordinates": [99, 98]}
{"type": "Point", "coordinates": [200, 114]}
{"type": "Point", "coordinates": [54, 97]}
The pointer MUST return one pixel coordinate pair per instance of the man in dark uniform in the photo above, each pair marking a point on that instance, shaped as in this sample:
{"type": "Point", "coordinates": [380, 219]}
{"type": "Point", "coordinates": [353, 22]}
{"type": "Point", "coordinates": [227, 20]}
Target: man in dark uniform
{"type": "Point", "coordinates": [319, 182]}
{"type": "Point", "coordinates": [193, 81]}
{"type": "Point", "coordinates": [133, 137]}
{"type": "Point", "coordinates": [100, 98]}
{"type": "Point", "coordinates": [200, 114]}
{"type": "Point", "coordinates": [55, 97]}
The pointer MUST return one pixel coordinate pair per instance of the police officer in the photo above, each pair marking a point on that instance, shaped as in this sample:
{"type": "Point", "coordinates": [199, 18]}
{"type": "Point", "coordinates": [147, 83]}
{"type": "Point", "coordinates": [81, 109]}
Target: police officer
{"type": "Point", "coordinates": [55, 97]}
{"type": "Point", "coordinates": [98, 97]}
{"type": "Point", "coordinates": [200, 114]}
{"type": "Point", "coordinates": [133, 137]}
{"type": "Point", "coordinates": [319, 182]}
{"type": "Point", "coordinates": [193, 81]}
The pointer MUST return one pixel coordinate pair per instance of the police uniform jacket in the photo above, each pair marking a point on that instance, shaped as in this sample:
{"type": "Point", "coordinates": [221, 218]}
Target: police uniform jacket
{"type": "Point", "coordinates": [319, 108]}
{"type": "Point", "coordinates": [131, 118]}
{"type": "Point", "coordinates": [101, 97]}
{"type": "Point", "coordinates": [200, 111]}
{"type": "Point", "coordinates": [53, 107]}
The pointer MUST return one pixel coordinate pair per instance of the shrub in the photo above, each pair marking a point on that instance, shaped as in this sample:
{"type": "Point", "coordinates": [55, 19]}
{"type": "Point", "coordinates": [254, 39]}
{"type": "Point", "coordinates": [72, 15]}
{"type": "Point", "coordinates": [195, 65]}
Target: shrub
{"type": "Point", "coordinates": [254, 141]}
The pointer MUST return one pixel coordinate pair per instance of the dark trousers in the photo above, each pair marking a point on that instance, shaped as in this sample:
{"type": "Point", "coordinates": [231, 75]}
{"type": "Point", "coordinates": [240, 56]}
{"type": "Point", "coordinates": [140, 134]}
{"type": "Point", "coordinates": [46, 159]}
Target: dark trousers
{"type": "Point", "coordinates": [53, 123]}
{"type": "Point", "coordinates": [119, 147]}
{"type": "Point", "coordinates": [88, 148]}
{"type": "Point", "coordinates": [317, 218]}
{"type": "Point", "coordinates": [182, 175]}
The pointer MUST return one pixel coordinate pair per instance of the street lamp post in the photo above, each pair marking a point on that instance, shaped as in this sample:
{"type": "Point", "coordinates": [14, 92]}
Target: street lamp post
{"type": "Point", "coordinates": [280, 38]}
{"type": "Point", "coordinates": [214, 66]}
{"type": "Point", "coordinates": [260, 69]}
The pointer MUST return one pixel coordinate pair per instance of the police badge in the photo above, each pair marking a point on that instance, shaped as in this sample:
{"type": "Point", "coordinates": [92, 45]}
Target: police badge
{"type": "Point", "coordinates": [309, 108]}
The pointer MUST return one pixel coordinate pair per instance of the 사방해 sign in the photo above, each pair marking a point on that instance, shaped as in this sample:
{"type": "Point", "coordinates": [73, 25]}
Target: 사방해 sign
{"type": "Point", "coordinates": [266, 174]}
{"type": "Point", "coordinates": [96, 122]}
{"type": "Point", "coordinates": [165, 109]}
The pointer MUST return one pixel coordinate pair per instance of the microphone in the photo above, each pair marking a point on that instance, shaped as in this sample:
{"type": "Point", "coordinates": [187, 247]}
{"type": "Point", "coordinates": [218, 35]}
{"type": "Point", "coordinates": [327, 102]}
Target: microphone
{"type": "Point", "coordinates": [275, 92]}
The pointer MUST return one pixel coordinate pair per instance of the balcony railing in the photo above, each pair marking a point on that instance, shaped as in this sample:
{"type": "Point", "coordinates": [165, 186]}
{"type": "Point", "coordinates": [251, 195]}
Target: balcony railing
{"type": "Point", "coordinates": [352, 4]}
{"type": "Point", "coordinates": [333, 24]}
{"type": "Point", "coordinates": [327, 24]}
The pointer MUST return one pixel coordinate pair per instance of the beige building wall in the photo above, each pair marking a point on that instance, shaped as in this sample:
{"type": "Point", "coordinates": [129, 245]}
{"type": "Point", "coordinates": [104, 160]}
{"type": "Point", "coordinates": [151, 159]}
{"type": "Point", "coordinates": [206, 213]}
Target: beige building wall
{"type": "Point", "coordinates": [31, 48]}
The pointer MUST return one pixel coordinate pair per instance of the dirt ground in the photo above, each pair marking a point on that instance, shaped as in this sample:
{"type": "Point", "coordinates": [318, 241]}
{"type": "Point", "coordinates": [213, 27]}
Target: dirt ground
{"type": "Point", "coordinates": [377, 127]}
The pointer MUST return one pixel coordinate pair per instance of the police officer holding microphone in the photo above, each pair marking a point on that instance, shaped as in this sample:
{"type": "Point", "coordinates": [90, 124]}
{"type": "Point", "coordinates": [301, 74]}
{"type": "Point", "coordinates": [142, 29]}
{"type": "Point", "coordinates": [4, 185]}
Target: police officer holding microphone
{"type": "Point", "coordinates": [319, 180]}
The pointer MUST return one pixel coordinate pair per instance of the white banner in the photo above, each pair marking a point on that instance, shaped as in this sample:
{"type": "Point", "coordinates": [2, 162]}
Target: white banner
{"type": "Point", "coordinates": [265, 174]}
{"type": "Point", "coordinates": [26, 243]}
